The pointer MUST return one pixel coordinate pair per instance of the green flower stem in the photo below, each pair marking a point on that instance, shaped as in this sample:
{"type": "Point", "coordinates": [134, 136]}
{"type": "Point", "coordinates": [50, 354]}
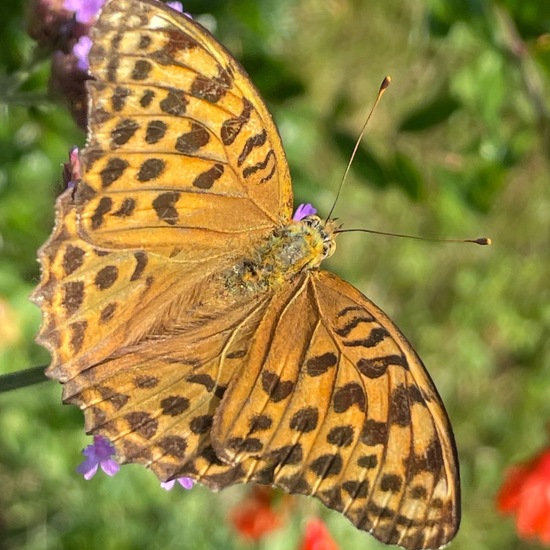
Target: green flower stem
{"type": "Point", "coordinates": [22, 378]}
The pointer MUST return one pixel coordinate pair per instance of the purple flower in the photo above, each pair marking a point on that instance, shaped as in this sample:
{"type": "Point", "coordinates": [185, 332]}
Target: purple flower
{"type": "Point", "coordinates": [85, 10]}
{"type": "Point", "coordinates": [175, 6]}
{"type": "Point", "coordinates": [81, 50]}
{"type": "Point", "coordinates": [98, 454]}
{"type": "Point", "coordinates": [303, 211]}
{"type": "Point", "coordinates": [179, 8]}
{"type": "Point", "coordinates": [71, 169]}
{"type": "Point", "coordinates": [185, 482]}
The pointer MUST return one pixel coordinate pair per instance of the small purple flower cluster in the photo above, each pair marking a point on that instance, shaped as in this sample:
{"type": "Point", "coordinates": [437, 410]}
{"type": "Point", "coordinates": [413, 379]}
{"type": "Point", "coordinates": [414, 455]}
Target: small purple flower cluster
{"type": "Point", "coordinates": [85, 11]}
{"type": "Point", "coordinates": [100, 455]}
{"type": "Point", "coordinates": [71, 169]}
{"type": "Point", "coordinates": [303, 211]}
{"type": "Point", "coordinates": [64, 27]}
{"type": "Point", "coordinates": [177, 6]}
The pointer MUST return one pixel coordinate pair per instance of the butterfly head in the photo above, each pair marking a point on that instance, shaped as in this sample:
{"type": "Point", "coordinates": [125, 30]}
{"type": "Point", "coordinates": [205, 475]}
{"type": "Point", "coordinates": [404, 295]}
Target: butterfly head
{"type": "Point", "coordinates": [320, 235]}
{"type": "Point", "coordinates": [316, 234]}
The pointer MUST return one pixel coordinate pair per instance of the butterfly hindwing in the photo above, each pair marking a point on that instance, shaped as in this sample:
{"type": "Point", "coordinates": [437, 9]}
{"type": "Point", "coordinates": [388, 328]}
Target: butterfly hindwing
{"type": "Point", "coordinates": [349, 415]}
{"type": "Point", "coordinates": [155, 400]}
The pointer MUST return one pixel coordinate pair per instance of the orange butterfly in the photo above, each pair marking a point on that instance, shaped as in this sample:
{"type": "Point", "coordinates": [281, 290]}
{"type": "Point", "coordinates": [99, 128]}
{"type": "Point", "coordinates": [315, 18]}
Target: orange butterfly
{"type": "Point", "coordinates": [186, 312]}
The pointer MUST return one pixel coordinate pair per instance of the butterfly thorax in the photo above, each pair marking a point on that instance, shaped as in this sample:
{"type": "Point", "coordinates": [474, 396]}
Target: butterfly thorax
{"type": "Point", "coordinates": [287, 252]}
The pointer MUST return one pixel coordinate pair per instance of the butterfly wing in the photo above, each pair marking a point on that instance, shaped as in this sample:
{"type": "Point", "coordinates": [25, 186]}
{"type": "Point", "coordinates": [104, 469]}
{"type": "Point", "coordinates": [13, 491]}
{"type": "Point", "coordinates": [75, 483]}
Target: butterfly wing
{"type": "Point", "coordinates": [155, 400]}
{"type": "Point", "coordinates": [181, 148]}
{"type": "Point", "coordinates": [183, 172]}
{"type": "Point", "coordinates": [94, 299]}
{"type": "Point", "coordinates": [334, 402]}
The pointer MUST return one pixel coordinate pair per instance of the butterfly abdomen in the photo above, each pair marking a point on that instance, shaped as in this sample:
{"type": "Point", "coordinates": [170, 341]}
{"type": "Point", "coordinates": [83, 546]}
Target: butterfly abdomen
{"type": "Point", "coordinates": [286, 253]}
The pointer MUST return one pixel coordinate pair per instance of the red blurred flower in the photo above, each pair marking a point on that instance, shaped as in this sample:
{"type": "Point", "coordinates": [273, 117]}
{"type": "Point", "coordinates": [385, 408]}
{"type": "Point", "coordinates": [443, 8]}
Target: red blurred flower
{"type": "Point", "coordinates": [255, 517]}
{"type": "Point", "coordinates": [317, 537]}
{"type": "Point", "coordinates": [525, 493]}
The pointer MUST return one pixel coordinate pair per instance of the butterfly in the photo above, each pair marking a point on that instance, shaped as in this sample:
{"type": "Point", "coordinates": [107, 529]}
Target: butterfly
{"type": "Point", "coordinates": [187, 314]}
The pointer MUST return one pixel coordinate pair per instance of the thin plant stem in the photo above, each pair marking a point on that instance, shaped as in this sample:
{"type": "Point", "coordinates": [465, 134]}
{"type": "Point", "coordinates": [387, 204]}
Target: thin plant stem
{"type": "Point", "coordinates": [22, 379]}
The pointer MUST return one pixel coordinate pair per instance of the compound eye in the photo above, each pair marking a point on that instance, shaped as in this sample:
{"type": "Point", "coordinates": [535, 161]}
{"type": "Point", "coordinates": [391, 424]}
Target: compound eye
{"type": "Point", "coordinates": [312, 221]}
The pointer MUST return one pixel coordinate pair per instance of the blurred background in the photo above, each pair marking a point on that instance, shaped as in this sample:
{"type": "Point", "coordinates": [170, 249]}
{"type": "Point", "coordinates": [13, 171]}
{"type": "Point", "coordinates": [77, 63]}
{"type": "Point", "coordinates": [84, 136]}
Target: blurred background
{"type": "Point", "coordinates": [459, 147]}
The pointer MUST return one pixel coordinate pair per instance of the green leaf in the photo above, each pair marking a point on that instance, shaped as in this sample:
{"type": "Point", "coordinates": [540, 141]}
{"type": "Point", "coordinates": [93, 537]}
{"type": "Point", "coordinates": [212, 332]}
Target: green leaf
{"type": "Point", "coordinates": [276, 82]}
{"type": "Point", "coordinates": [407, 176]}
{"type": "Point", "coordinates": [430, 114]}
{"type": "Point", "coordinates": [485, 185]}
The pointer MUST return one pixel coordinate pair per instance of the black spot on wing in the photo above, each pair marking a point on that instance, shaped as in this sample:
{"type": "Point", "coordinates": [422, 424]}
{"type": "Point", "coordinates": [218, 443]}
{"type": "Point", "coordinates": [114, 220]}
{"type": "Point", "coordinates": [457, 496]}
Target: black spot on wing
{"type": "Point", "coordinates": [141, 70]}
{"type": "Point", "coordinates": [254, 141]}
{"type": "Point", "coordinates": [113, 171]}
{"type": "Point", "coordinates": [104, 206]}
{"type": "Point", "coordinates": [377, 366]}
{"type": "Point", "coordinates": [73, 258]}
{"type": "Point", "coordinates": [123, 132]}
{"type": "Point", "coordinates": [164, 205]}
{"type": "Point", "coordinates": [315, 366]}
{"type": "Point", "coordinates": [375, 337]}
{"type": "Point", "coordinates": [206, 180]}
{"type": "Point", "coordinates": [400, 410]}
{"type": "Point", "coordinates": [305, 420]}
{"type": "Point", "coordinates": [192, 141]}
{"type": "Point", "coordinates": [276, 388]}
{"type": "Point", "coordinates": [156, 130]}
{"type": "Point", "coordinates": [141, 263]}
{"type": "Point", "coordinates": [151, 169]}
{"type": "Point", "coordinates": [174, 103]}
{"type": "Point", "coordinates": [232, 127]}
{"type": "Point", "coordinates": [118, 99]}
{"type": "Point", "coordinates": [346, 396]}
{"type": "Point", "coordinates": [126, 208]}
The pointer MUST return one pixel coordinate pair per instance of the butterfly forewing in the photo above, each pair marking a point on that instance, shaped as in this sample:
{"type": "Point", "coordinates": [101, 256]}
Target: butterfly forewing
{"type": "Point", "coordinates": [179, 140]}
{"type": "Point", "coordinates": [89, 295]}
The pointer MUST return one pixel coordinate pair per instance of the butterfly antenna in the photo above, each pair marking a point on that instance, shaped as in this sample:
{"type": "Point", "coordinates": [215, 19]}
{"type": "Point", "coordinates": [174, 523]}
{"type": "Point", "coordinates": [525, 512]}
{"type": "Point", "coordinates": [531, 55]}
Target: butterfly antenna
{"type": "Point", "coordinates": [481, 240]}
{"type": "Point", "coordinates": [382, 89]}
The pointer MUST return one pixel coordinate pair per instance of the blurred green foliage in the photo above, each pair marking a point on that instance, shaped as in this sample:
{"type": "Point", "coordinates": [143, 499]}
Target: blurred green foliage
{"type": "Point", "coordinates": [459, 146]}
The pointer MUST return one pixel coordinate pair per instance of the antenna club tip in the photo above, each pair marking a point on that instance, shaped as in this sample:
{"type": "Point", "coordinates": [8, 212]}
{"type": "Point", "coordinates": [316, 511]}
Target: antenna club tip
{"type": "Point", "coordinates": [483, 241]}
{"type": "Point", "coordinates": [385, 83]}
